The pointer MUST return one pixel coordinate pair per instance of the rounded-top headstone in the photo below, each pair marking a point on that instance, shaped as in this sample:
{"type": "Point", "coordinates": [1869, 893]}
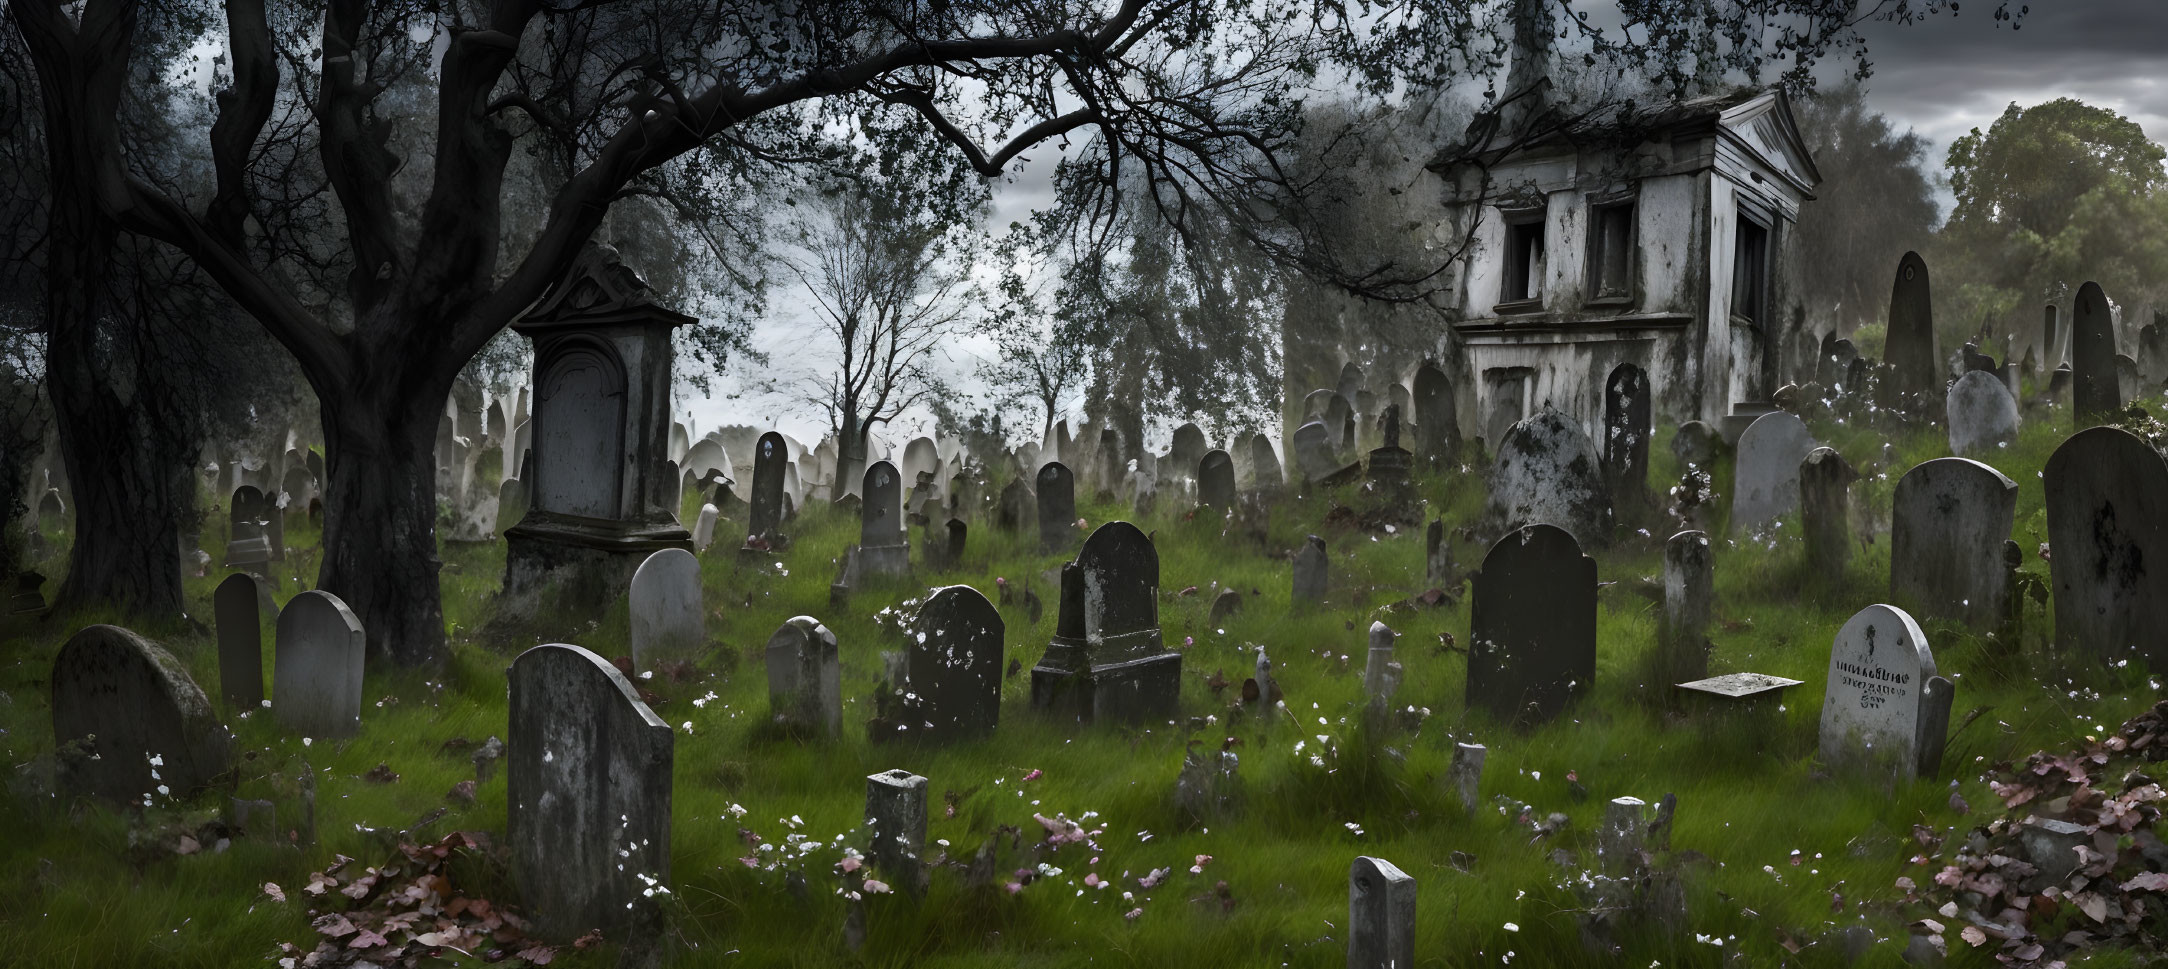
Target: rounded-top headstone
{"type": "Point", "coordinates": [1910, 343]}
{"type": "Point", "coordinates": [667, 619]}
{"type": "Point", "coordinates": [151, 730]}
{"type": "Point", "coordinates": [235, 606]}
{"type": "Point", "coordinates": [1548, 471]}
{"type": "Point", "coordinates": [1949, 518]}
{"type": "Point", "coordinates": [2109, 535]}
{"type": "Point", "coordinates": [1532, 625]}
{"type": "Point", "coordinates": [2096, 390]}
{"type": "Point", "coordinates": [1982, 413]}
{"type": "Point", "coordinates": [1120, 569]}
{"type": "Point", "coordinates": [954, 665]}
{"type": "Point", "coordinates": [1765, 474]}
{"type": "Point", "coordinates": [316, 667]}
{"type": "Point", "coordinates": [1879, 669]}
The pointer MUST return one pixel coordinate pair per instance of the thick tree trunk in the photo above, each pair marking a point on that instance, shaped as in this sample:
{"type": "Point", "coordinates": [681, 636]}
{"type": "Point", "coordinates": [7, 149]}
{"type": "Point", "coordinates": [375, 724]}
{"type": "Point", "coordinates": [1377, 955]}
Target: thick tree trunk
{"type": "Point", "coordinates": [850, 452]}
{"type": "Point", "coordinates": [380, 512]}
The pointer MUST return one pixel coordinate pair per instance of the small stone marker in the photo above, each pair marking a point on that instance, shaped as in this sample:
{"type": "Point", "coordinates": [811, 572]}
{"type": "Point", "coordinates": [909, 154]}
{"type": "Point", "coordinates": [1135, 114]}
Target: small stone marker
{"type": "Point", "coordinates": [1766, 474]}
{"type": "Point", "coordinates": [240, 641]}
{"type": "Point", "coordinates": [1623, 837]}
{"type": "Point", "coordinates": [1884, 698]}
{"type": "Point", "coordinates": [1825, 509]}
{"type": "Point", "coordinates": [1532, 629]}
{"type": "Point", "coordinates": [316, 667]}
{"type": "Point", "coordinates": [1949, 519]}
{"type": "Point", "coordinates": [805, 676]}
{"type": "Point", "coordinates": [1746, 693]}
{"type": "Point", "coordinates": [953, 666]}
{"type": "Point", "coordinates": [1380, 916]}
{"type": "Point", "coordinates": [1689, 598]}
{"type": "Point", "coordinates": [1982, 413]}
{"type": "Point", "coordinates": [1437, 554]}
{"type": "Point", "coordinates": [704, 527]}
{"type": "Point", "coordinates": [2110, 546]}
{"type": "Point", "coordinates": [587, 793]}
{"type": "Point", "coordinates": [896, 824]}
{"type": "Point", "coordinates": [1311, 565]}
{"type": "Point", "coordinates": [1466, 774]}
{"type": "Point", "coordinates": [667, 619]}
{"type": "Point", "coordinates": [1057, 508]}
{"type": "Point", "coordinates": [1381, 675]}
{"type": "Point", "coordinates": [1226, 604]}
{"type": "Point", "coordinates": [151, 731]}
{"type": "Point", "coordinates": [1548, 471]}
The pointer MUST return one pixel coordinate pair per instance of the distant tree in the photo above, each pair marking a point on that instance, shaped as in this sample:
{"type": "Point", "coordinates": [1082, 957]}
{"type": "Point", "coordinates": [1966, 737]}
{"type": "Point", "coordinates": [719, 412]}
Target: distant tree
{"type": "Point", "coordinates": [886, 279]}
{"type": "Point", "coordinates": [1875, 203]}
{"type": "Point", "coordinates": [2058, 193]}
{"type": "Point", "coordinates": [1044, 354]}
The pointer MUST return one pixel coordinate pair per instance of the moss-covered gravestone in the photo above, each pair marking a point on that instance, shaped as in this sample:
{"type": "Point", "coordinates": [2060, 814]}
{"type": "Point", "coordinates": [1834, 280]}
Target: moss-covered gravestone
{"type": "Point", "coordinates": [1532, 629]}
{"type": "Point", "coordinates": [139, 725]}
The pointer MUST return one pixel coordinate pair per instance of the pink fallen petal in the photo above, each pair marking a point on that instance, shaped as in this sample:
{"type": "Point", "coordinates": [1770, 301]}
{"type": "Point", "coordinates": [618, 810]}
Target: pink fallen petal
{"type": "Point", "coordinates": [1034, 775]}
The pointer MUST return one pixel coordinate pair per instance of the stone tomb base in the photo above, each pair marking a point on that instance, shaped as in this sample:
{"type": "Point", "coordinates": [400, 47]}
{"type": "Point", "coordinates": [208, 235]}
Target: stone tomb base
{"type": "Point", "coordinates": [582, 562]}
{"type": "Point", "coordinates": [1131, 691]}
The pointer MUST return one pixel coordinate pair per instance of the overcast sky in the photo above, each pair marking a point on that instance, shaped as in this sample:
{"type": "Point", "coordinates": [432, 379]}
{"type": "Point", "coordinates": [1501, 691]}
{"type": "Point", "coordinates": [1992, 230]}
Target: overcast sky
{"type": "Point", "coordinates": [1941, 78]}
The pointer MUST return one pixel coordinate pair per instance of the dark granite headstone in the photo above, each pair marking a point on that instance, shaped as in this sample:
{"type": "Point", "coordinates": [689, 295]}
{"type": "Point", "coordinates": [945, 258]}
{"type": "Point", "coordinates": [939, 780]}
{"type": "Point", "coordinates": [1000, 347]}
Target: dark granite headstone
{"type": "Point", "coordinates": [1119, 670]}
{"type": "Point", "coordinates": [587, 793]}
{"type": "Point", "coordinates": [2096, 389]}
{"type": "Point", "coordinates": [953, 667]}
{"type": "Point", "coordinates": [1017, 509]}
{"type": "Point", "coordinates": [1311, 566]}
{"type": "Point", "coordinates": [1380, 916]}
{"type": "Point", "coordinates": [1437, 427]}
{"type": "Point", "coordinates": [2110, 547]}
{"type": "Point", "coordinates": [1916, 366]}
{"type": "Point", "coordinates": [770, 457]}
{"type": "Point", "coordinates": [1216, 481]}
{"type": "Point", "coordinates": [147, 729]}
{"type": "Point", "coordinates": [805, 676]}
{"type": "Point", "coordinates": [236, 608]}
{"type": "Point", "coordinates": [1532, 628]}
{"type": "Point", "coordinates": [1825, 509]}
{"type": "Point", "coordinates": [1057, 507]}
{"type": "Point", "coordinates": [316, 667]}
{"type": "Point", "coordinates": [1949, 519]}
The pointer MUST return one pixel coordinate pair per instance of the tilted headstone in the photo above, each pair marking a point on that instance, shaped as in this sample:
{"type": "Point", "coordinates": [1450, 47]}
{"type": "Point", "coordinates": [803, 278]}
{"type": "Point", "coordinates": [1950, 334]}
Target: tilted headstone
{"type": "Point", "coordinates": [1689, 598]}
{"type": "Point", "coordinates": [896, 824]}
{"type": "Point", "coordinates": [668, 622]}
{"type": "Point", "coordinates": [145, 729]}
{"type": "Point", "coordinates": [1216, 481]}
{"type": "Point", "coordinates": [587, 793]}
{"type": "Point", "coordinates": [1314, 452]}
{"type": "Point", "coordinates": [805, 676]}
{"type": "Point", "coordinates": [511, 503]}
{"type": "Point", "coordinates": [1310, 567]}
{"type": "Point", "coordinates": [236, 608]}
{"type": "Point", "coordinates": [1340, 424]}
{"type": "Point", "coordinates": [1057, 507]}
{"type": "Point", "coordinates": [1532, 628]}
{"type": "Point", "coordinates": [2096, 391]}
{"type": "Point", "coordinates": [1982, 413]}
{"type": "Point", "coordinates": [2109, 546]}
{"type": "Point", "coordinates": [1885, 702]}
{"type": "Point", "coordinates": [1380, 916]}
{"type": "Point", "coordinates": [1548, 471]}
{"type": "Point", "coordinates": [1949, 519]}
{"type": "Point", "coordinates": [1437, 425]}
{"type": "Point", "coordinates": [704, 526]}
{"type": "Point", "coordinates": [1915, 365]}
{"type": "Point", "coordinates": [953, 667]}
{"type": "Point", "coordinates": [1626, 436]}
{"type": "Point", "coordinates": [765, 517]}
{"type": "Point", "coordinates": [1825, 509]}
{"type": "Point", "coordinates": [316, 667]}
{"type": "Point", "coordinates": [1765, 476]}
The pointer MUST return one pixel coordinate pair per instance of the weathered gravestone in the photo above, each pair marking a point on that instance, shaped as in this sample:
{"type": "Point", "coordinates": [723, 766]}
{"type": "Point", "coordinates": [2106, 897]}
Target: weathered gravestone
{"type": "Point", "coordinates": [882, 548]}
{"type": "Point", "coordinates": [1311, 566]}
{"type": "Point", "coordinates": [249, 544]}
{"type": "Point", "coordinates": [1532, 627]}
{"type": "Point", "coordinates": [1885, 704]}
{"type": "Point", "coordinates": [587, 793]}
{"type": "Point", "coordinates": [1390, 463]}
{"type": "Point", "coordinates": [1107, 662]}
{"type": "Point", "coordinates": [1340, 424]}
{"type": "Point", "coordinates": [953, 667]}
{"type": "Point", "coordinates": [1465, 775]}
{"type": "Point", "coordinates": [896, 824]}
{"type": "Point", "coordinates": [1696, 444]}
{"type": "Point", "coordinates": [805, 677]}
{"type": "Point", "coordinates": [1982, 414]}
{"type": "Point", "coordinates": [1626, 437]}
{"type": "Point", "coordinates": [1381, 672]}
{"type": "Point", "coordinates": [316, 667]}
{"type": "Point", "coordinates": [1437, 554]}
{"type": "Point", "coordinates": [1057, 507]}
{"type": "Point", "coordinates": [236, 607]}
{"type": "Point", "coordinates": [1314, 455]}
{"type": "Point", "coordinates": [2096, 391]}
{"type": "Point", "coordinates": [1548, 471]}
{"type": "Point", "coordinates": [1689, 598]}
{"type": "Point", "coordinates": [2109, 561]}
{"type": "Point", "coordinates": [1949, 519]}
{"type": "Point", "coordinates": [1216, 481]}
{"type": "Point", "coordinates": [1380, 916]}
{"type": "Point", "coordinates": [765, 516]}
{"type": "Point", "coordinates": [1017, 509]}
{"type": "Point", "coordinates": [1437, 426]}
{"type": "Point", "coordinates": [704, 526]}
{"type": "Point", "coordinates": [147, 729]}
{"type": "Point", "coordinates": [1765, 475]}
{"type": "Point", "coordinates": [511, 503]}
{"type": "Point", "coordinates": [1825, 509]}
{"type": "Point", "coordinates": [1265, 473]}
{"type": "Point", "coordinates": [668, 622]}
{"type": "Point", "coordinates": [1915, 365]}
{"type": "Point", "coordinates": [1188, 449]}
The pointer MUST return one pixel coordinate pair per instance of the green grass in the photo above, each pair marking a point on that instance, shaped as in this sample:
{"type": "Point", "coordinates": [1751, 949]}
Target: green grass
{"type": "Point", "coordinates": [72, 893]}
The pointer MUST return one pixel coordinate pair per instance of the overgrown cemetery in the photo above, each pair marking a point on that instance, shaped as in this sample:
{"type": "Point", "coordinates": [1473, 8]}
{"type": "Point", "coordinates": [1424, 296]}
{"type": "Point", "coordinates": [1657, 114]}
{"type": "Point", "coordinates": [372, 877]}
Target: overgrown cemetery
{"type": "Point", "coordinates": [1061, 483]}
